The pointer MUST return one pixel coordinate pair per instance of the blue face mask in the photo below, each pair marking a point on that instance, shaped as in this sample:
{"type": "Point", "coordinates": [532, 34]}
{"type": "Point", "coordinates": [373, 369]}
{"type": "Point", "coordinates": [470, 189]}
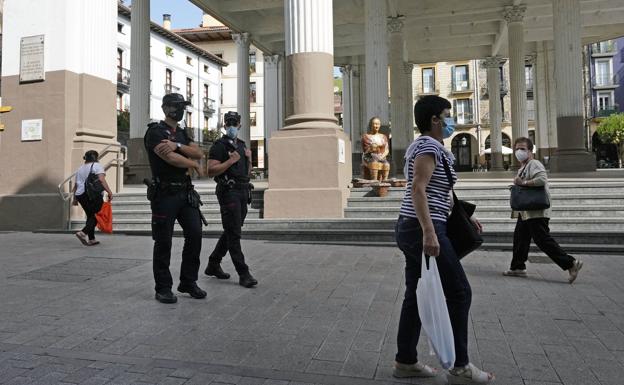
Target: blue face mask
{"type": "Point", "coordinates": [449, 127]}
{"type": "Point", "coordinates": [231, 132]}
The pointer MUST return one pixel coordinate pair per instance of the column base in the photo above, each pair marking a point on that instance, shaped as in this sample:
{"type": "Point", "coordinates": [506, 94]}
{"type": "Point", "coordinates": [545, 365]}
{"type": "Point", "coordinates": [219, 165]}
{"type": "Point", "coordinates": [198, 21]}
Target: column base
{"type": "Point", "coordinates": [572, 161]}
{"type": "Point", "coordinates": [497, 162]}
{"type": "Point", "coordinates": [356, 161]}
{"type": "Point", "coordinates": [45, 211]}
{"type": "Point", "coordinates": [138, 164]}
{"type": "Point", "coordinates": [398, 162]}
{"type": "Point", "coordinates": [308, 178]}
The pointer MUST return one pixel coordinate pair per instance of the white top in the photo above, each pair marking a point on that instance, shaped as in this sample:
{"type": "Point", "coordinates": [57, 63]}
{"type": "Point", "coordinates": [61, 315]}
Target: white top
{"type": "Point", "coordinates": [83, 173]}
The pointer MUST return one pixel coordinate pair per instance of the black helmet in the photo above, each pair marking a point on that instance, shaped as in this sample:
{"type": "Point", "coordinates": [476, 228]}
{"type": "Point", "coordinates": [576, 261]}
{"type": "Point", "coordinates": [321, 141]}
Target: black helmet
{"type": "Point", "coordinates": [174, 99]}
{"type": "Point", "coordinates": [232, 117]}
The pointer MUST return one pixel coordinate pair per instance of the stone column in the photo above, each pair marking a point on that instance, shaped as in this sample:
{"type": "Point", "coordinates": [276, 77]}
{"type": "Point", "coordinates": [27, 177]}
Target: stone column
{"type": "Point", "coordinates": [272, 88]}
{"type": "Point", "coordinates": [408, 70]}
{"type": "Point", "coordinates": [310, 166]}
{"type": "Point", "coordinates": [242, 84]}
{"type": "Point", "coordinates": [492, 64]}
{"type": "Point", "coordinates": [356, 122]}
{"type": "Point", "coordinates": [572, 154]}
{"type": "Point", "coordinates": [541, 103]}
{"type": "Point", "coordinates": [404, 136]}
{"type": "Point", "coordinates": [376, 60]}
{"type": "Point", "coordinates": [347, 99]}
{"type": "Point", "coordinates": [138, 163]}
{"type": "Point", "coordinates": [398, 126]}
{"type": "Point", "coordinates": [519, 123]}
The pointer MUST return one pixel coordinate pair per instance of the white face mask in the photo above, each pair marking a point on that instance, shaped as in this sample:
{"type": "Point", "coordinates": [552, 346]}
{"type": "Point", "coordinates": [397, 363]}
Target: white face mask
{"type": "Point", "coordinates": [522, 155]}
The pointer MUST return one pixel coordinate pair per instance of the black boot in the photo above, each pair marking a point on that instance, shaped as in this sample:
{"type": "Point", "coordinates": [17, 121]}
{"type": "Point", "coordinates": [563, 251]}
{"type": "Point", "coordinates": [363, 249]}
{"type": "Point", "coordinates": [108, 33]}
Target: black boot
{"type": "Point", "coordinates": [214, 269]}
{"type": "Point", "coordinates": [192, 289]}
{"type": "Point", "coordinates": [166, 296]}
{"type": "Point", "coordinates": [246, 280]}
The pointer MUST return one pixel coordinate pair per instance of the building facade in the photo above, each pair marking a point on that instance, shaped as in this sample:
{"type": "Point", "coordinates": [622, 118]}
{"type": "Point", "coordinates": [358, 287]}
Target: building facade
{"type": "Point", "coordinates": [176, 65]}
{"type": "Point", "coordinates": [216, 38]}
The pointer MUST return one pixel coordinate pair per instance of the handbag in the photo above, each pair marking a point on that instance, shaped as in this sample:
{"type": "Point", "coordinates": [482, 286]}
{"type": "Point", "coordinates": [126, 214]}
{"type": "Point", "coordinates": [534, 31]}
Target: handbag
{"type": "Point", "coordinates": [528, 198]}
{"type": "Point", "coordinates": [459, 228]}
{"type": "Point", "coordinates": [93, 185]}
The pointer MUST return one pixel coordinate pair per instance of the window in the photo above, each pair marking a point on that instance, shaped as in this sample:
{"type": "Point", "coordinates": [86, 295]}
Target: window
{"type": "Point", "coordinates": [120, 101]}
{"type": "Point", "coordinates": [206, 68]}
{"type": "Point", "coordinates": [189, 90]}
{"type": "Point", "coordinates": [169, 51]}
{"type": "Point", "coordinates": [463, 111]}
{"type": "Point", "coordinates": [603, 72]}
{"type": "Point", "coordinates": [605, 101]}
{"type": "Point", "coordinates": [428, 80]}
{"type": "Point", "coordinates": [189, 119]}
{"type": "Point", "coordinates": [531, 109]}
{"type": "Point", "coordinates": [220, 56]}
{"type": "Point", "coordinates": [252, 92]}
{"type": "Point", "coordinates": [189, 60]}
{"type": "Point", "coordinates": [252, 119]}
{"type": "Point", "coordinates": [252, 62]}
{"type": "Point", "coordinates": [460, 78]}
{"type": "Point", "coordinates": [119, 63]}
{"type": "Point", "coordinates": [221, 94]}
{"type": "Point", "coordinates": [528, 78]}
{"type": "Point", "coordinates": [205, 90]}
{"type": "Point", "coordinates": [206, 120]}
{"type": "Point", "coordinates": [168, 76]}
{"type": "Point", "coordinates": [120, 27]}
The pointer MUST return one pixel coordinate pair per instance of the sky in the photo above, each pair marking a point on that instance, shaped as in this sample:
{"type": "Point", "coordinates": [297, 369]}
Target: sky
{"type": "Point", "coordinates": [184, 14]}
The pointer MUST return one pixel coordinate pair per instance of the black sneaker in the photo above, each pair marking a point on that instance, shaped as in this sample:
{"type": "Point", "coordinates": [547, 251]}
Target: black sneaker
{"type": "Point", "coordinates": [192, 289]}
{"type": "Point", "coordinates": [166, 296]}
{"type": "Point", "coordinates": [216, 271]}
{"type": "Point", "coordinates": [246, 280]}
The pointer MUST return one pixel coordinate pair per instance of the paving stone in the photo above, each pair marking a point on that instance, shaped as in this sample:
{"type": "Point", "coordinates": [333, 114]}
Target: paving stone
{"type": "Point", "coordinates": [360, 364]}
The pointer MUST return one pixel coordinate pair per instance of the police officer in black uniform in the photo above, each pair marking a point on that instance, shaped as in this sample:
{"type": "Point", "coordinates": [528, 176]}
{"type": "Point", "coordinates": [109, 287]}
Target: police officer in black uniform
{"type": "Point", "coordinates": [171, 154]}
{"type": "Point", "coordinates": [229, 162]}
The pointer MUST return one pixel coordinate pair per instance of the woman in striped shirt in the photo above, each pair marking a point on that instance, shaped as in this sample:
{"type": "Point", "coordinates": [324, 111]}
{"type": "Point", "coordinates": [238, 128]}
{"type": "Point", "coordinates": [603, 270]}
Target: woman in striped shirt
{"type": "Point", "coordinates": [421, 227]}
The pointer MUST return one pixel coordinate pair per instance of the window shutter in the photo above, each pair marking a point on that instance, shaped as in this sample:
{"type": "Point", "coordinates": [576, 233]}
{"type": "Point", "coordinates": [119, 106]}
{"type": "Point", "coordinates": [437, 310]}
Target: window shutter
{"type": "Point", "coordinates": [455, 110]}
{"type": "Point", "coordinates": [453, 78]}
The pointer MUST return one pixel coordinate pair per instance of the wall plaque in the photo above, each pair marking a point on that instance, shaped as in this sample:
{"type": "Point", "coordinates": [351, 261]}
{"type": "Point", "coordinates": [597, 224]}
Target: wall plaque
{"type": "Point", "coordinates": [31, 59]}
{"type": "Point", "coordinates": [32, 129]}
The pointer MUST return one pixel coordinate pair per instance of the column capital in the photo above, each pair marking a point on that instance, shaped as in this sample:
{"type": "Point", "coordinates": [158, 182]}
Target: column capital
{"type": "Point", "coordinates": [408, 68]}
{"type": "Point", "coordinates": [346, 69]}
{"type": "Point", "coordinates": [271, 60]}
{"type": "Point", "coordinates": [395, 24]}
{"type": "Point", "coordinates": [492, 62]}
{"type": "Point", "coordinates": [530, 58]}
{"type": "Point", "coordinates": [514, 14]}
{"type": "Point", "coordinates": [241, 38]}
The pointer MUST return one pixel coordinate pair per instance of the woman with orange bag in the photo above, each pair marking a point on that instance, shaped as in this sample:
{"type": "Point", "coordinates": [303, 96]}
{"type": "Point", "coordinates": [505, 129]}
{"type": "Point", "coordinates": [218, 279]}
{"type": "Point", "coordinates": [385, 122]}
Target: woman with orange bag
{"type": "Point", "coordinates": [90, 205]}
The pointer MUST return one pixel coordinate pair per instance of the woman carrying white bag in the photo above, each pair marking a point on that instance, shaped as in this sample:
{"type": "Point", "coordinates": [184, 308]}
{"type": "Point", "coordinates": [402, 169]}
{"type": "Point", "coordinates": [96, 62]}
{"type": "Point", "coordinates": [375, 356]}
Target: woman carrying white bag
{"type": "Point", "coordinates": [421, 228]}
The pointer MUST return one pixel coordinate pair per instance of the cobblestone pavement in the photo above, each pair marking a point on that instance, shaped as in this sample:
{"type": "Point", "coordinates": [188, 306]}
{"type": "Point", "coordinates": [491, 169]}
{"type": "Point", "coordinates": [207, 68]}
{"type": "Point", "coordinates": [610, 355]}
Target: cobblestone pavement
{"type": "Point", "coordinates": [71, 314]}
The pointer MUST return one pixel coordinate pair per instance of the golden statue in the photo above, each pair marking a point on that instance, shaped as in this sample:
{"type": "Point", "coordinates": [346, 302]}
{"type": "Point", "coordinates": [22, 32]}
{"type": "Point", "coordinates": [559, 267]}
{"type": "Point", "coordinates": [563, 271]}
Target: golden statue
{"type": "Point", "coordinates": [375, 149]}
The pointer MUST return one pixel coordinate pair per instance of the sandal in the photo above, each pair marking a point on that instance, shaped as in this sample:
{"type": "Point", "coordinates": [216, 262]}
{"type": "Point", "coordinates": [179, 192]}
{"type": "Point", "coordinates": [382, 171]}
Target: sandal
{"type": "Point", "coordinates": [515, 273]}
{"type": "Point", "coordinates": [83, 238]}
{"type": "Point", "coordinates": [574, 270]}
{"type": "Point", "coordinates": [414, 370]}
{"type": "Point", "coordinates": [469, 374]}
{"type": "Point", "coordinates": [93, 242]}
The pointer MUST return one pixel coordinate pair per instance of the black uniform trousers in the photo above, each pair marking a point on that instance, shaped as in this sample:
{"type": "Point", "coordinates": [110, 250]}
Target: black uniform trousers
{"type": "Point", "coordinates": [90, 208]}
{"type": "Point", "coordinates": [166, 208]}
{"type": "Point", "coordinates": [537, 228]}
{"type": "Point", "coordinates": [233, 205]}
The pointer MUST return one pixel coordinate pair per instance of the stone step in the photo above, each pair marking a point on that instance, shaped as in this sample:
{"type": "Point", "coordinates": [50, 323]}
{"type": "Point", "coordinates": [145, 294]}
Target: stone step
{"type": "Point", "coordinates": [567, 211]}
{"type": "Point", "coordinates": [206, 194]}
{"type": "Point", "coordinates": [357, 224]}
{"type": "Point", "coordinates": [500, 200]}
{"type": "Point", "coordinates": [146, 214]}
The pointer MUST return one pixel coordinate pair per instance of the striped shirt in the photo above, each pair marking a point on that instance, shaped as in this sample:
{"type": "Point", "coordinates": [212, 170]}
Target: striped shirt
{"type": "Point", "coordinates": [438, 188]}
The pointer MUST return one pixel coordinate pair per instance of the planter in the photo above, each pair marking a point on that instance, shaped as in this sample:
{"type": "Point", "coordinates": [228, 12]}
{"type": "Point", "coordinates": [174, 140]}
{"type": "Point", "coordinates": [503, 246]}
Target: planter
{"type": "Point", "coordinates": [381, 189]}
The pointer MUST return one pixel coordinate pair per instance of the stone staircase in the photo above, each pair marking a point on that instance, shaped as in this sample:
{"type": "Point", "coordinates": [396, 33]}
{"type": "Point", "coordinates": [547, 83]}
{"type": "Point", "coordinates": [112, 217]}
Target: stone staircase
{"type": "Point", "coordinates": [587, 215]}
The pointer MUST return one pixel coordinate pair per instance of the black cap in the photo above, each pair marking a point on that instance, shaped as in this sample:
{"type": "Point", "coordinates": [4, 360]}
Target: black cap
{"type": "Point", "coordinates": [232, 115]}
{"type": "Point", "coordinates": [173, 99]}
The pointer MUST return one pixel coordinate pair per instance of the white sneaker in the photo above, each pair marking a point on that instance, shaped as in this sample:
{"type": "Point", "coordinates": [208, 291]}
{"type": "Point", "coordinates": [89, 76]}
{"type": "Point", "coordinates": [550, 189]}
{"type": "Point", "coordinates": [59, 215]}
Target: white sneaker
{"type": "Point", "coordinates": [82, 237]}
{"type": "Point", "coordinates": [574, 270]}
{"type": "Point", "coordinates": [413, 370]}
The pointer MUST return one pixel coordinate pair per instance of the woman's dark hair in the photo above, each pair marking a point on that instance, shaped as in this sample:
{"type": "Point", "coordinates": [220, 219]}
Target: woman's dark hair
{"type": "Point", "coordinates": [90, 156]}
{"type": "Point", "coordinates": [525, 140]}
{"type": "Point", "coordinates": [427, 107]}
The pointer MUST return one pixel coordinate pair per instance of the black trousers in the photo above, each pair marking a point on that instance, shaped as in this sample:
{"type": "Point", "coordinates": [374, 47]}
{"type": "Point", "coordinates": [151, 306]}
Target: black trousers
{"type": "Point", "coordinates": [166, 208]}
{"type": "Point", "coordinates": [233, 205]}
{"type": "Point", "coordinates": [538, 230]}
{"type": "Point", "coordinates": [90, 208]}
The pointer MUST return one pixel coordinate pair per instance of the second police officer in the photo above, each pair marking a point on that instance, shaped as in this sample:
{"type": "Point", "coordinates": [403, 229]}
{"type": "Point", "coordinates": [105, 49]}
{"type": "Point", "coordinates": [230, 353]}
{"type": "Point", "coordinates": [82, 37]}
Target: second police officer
{"type": "Point", "coordinates": [229, 162]}
{"type": "Point", "coordinates": [171, 154]}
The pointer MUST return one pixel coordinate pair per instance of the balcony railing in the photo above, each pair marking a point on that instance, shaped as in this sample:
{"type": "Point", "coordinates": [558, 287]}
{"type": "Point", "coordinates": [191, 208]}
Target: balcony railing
{"type": "Point", "coordinates": [123, 76]}
{"type": "Point", "coordinates": [171, 89]}
{"type": "Point", "coordinates": [464, 118]}
{"type": "Point", "coordinates": [209, 106]}
{"type": "Point", "coordinates": [601, 112]}
{"type": "Point", "coordinates": [604, 47]}
{"type": "Point", "coordinates": [461, 86]}
{"type": "Point", "coordinates": [503, 91]}
{"type": "Point", "coordinates": [605, 80]}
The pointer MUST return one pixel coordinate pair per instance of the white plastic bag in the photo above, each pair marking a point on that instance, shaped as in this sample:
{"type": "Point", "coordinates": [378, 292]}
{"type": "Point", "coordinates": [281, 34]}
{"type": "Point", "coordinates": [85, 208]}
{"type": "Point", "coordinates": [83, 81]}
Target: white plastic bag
{"type": "Point", "coordinates": [434, 314]}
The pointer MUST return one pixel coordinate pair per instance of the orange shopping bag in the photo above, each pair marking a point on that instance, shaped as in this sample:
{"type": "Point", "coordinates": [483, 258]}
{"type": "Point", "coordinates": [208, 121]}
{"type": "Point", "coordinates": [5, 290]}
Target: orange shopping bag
{"type": "Point", "coordinates": [105, 218]}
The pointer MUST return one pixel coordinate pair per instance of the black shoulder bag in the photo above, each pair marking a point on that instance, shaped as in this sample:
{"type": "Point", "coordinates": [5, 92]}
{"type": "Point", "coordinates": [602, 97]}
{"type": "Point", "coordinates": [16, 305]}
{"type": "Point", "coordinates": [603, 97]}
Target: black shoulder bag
{"type": "Point", "coordinates": [459, 228]}
{"type": "Point", "coordinates": [528, 198]}
{"type": "Point", "coordinates": [93, 186]}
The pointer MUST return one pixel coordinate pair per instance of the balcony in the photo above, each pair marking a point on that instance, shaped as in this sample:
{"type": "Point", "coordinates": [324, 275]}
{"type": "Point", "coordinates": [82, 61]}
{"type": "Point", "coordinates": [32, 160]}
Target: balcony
{"type": "Point", "coordinates": [464, 118]}
{"type": "Point", "coordinates": [169, 89]}
{"type": "Point", "coordinates": [604, 111]}
{"type": "Point", "coordinates": [461, 87]}
{"type": "Point", "coordinates": [605, 81]}
{"type": "Point", "coordinates": [209, 106]}
{"type": "Point", "coordinates": [604, 48]}
{"type": "Point", "coordinates": [123, 79]}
